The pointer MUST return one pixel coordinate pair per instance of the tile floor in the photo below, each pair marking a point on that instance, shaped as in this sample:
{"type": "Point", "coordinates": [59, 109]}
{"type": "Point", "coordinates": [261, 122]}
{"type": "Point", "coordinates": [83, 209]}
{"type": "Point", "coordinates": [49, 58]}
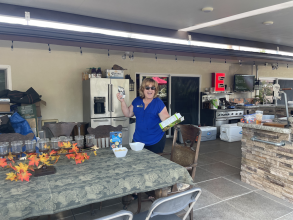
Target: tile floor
{"type": "Point", "coordinates": [224, 196]}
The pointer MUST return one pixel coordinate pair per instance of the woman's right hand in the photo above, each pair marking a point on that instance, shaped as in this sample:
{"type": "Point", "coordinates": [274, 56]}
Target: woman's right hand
{"type": "Point", "coordinates": [119, 97]}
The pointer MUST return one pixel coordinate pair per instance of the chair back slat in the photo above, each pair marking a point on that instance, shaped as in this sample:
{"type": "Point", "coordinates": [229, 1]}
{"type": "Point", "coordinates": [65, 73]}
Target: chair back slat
{"type": "Point", "coordinates": [121, 215]}
{"type": "Point", "coordinates": [61, 128]}
{"type": "Point", "coordinates": [174, 203]}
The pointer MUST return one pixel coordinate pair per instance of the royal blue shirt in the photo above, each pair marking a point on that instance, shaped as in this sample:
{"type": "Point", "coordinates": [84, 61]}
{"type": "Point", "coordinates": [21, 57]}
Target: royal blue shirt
{"type": "Point", "coordinates": [147, 129]}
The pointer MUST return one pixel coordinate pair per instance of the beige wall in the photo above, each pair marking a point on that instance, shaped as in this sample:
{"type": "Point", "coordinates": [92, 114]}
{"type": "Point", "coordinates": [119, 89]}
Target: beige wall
{"type": "Point", "coordinates": [57, 75]}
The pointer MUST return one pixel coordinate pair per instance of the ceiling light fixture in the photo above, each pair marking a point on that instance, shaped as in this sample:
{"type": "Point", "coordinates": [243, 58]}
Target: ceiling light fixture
{"type": "Point", "coordinates": [259, 11]}
{"type": "Point", "coordinates": [79, 28]}
{"type": "Point", "coordinates": [207, 9]}
{"type": "Point", "coordinates": [268, 22]}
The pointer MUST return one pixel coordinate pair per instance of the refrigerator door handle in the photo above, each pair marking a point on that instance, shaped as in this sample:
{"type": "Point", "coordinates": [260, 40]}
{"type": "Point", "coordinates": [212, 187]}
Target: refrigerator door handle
{"type": "Point", "coordinates": [112, 98]}
{"type": "Point", "coordinates": [120, 119]}
{"type": "Point", "coordinates": [109, 109]}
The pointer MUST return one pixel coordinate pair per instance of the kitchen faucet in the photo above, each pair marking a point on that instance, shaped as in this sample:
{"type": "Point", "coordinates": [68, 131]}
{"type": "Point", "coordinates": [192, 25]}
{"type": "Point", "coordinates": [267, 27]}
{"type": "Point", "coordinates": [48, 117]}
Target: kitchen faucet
{"type": "Point", "coordinates": [277, 92]}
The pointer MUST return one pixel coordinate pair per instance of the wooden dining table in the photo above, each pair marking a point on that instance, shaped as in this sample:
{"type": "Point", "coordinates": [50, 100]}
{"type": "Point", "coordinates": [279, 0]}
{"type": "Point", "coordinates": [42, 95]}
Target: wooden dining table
{"type": "Point", "coordinates": [102, 177]}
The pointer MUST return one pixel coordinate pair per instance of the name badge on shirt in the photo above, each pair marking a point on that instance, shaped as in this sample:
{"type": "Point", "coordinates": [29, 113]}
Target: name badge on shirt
{"type": "Point", "coordinates": [139, 106]}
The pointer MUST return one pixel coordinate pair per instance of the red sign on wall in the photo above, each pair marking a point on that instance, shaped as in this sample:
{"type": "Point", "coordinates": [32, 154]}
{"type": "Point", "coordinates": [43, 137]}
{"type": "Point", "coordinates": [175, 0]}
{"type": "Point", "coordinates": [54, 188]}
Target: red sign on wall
{"type": "Point", "coordinates": [218, 81]}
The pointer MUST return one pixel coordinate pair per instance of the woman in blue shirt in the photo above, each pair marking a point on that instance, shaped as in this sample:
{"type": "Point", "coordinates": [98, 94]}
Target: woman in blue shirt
{"type": "Point", "coordinates": [149, 111]}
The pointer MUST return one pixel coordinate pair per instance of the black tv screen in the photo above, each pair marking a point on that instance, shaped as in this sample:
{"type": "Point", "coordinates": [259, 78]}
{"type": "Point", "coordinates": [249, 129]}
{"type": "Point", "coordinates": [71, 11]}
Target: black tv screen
{"type": "Point", "coordinates": [244, 83]}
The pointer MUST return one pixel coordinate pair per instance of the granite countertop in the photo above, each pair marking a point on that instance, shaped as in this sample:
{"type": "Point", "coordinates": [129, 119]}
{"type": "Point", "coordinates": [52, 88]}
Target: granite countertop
{"type": "Point", "coordinates": [265, 128]}
{"type": "Point", "coordinates": [263, 106]}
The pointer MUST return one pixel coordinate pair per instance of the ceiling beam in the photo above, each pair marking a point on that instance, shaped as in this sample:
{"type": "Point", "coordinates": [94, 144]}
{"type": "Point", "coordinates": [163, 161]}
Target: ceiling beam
{"type": "Point", "coordinates": [240, 16]}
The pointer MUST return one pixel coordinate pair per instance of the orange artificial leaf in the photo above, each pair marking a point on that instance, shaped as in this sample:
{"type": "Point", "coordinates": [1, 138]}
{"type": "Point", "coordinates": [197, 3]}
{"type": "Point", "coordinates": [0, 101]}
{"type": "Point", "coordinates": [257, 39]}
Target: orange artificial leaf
{"type": "Point", "coordinates": [24, 176]}
{"type": "Point", "coordinates": [3, 162]}
{"type": "Point", "coordinates": [79, 158]}
{"type": "Point", "coordinates": [75, 148]}
{"type": "Point", "coordinates": [60, 144]}
{"type": "Point", "coordinates": [70, 155]}
{"type": "Point", "coordinates": [53, 152]}
{"type": "Point", "coordinates": [11, 176]}
{"type": "Point", "coordinates": [95, 153]}
{"type": "Point", "coordinates": [33, 161]}
{"type": "Point", "coordinates": [86, 156]}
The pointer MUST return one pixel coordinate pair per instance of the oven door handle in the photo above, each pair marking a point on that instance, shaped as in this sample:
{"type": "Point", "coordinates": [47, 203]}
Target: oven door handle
{"type": "Point", "coordinates": [222, 119]}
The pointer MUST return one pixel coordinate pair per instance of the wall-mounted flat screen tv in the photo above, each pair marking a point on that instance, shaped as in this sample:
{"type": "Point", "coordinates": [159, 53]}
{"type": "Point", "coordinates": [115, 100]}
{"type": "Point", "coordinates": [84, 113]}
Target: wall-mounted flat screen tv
{"type": "Point", "coordinates": [244, 83]}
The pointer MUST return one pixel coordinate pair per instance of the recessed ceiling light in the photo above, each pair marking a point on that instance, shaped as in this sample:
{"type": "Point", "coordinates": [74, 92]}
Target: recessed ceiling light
{"type": "Point", "coordinates": [268, 22]}
{"type": "Point", "coordinates": [207, 9]}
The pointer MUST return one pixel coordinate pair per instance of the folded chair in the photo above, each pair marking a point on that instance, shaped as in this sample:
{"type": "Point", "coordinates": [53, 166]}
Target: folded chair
{"type": "Point", "coordinates": [165, 208]}
{"type": "Point", "coordinates": [121, 215]}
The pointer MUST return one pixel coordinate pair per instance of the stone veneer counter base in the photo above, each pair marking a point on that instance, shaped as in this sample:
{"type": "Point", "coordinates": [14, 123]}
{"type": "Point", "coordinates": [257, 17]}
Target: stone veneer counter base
{"type": "Point", "coordinates": [266, 166]}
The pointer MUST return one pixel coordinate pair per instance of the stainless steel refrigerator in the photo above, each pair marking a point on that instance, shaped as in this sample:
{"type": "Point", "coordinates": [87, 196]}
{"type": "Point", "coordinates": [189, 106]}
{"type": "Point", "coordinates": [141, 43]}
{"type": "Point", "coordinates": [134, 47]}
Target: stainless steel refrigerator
{"type": "Point", "coordinates": [100, 105]}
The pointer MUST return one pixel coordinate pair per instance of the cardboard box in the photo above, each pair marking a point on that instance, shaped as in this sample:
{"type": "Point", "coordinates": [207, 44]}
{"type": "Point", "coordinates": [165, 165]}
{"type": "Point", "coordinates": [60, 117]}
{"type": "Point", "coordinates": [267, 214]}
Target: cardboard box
{"type": "Point", "coordinates": [4, 107]}
{"type": "Point", "coordinates": [115, 74]}
{"type": "Point", "coordinates": [170, 122]}
{"type": "Point", "coordinates": [115, 139]}
{"type": "Point", "coordinates": [38, 107]}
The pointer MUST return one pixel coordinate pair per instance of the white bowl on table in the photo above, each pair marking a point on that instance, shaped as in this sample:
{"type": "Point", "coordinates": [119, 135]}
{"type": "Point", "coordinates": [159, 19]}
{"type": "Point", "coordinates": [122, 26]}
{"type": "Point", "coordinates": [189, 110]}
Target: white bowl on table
{"type": "Point", "coordinates": [120, 152]}
{"type": "Point", "coordinates": [136, 146]}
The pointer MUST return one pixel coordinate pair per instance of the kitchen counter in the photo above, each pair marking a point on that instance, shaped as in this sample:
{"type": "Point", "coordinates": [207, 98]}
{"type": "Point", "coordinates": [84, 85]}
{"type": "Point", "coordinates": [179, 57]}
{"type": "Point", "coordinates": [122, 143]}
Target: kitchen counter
{"type": "Point", "coordinates": [267, 159]}
{"type": "Point", "coordinates": [265, 128]}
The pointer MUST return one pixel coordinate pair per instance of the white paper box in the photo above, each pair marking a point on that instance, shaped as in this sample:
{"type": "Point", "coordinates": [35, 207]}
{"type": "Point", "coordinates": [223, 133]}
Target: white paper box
{"type": "Point", "coordinates": [115, 74]}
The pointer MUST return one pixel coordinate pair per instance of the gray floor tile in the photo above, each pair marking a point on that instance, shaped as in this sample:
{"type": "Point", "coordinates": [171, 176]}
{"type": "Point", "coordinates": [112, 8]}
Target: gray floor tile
{"type": "Point", "coordinates": [220, 156]}
{"type": "Point", "coordinates": [209, 149]}
{"type": "Point", "coordinates": [223, 188]}
{"type": "Point", "coordinates": [234, 162]}
{"type": "Point", "coordinates": [233, 151]}
{"type": "Point", "coordinates": [236, 178]}
{"type": "Point", "coordinates": [203, 175]}
{"type": "Point", "coordinates": [287, 217]}
{"type": "Point", "coordinates": [220, 169]}
{"type": "Point", "coordinates": [274, 198]}
{"type": "Point", "coordinates": [203, 160]}
{"type": "Point", "coordinates": [206, 198]}
{"type": "Point", "coordinates": [220, 211]}
{"type": "Point", "coordinates": [259, 206]}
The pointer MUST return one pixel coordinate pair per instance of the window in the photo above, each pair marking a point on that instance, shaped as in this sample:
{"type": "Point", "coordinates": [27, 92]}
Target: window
{"type": "Point", "coordinates": [5, 77]}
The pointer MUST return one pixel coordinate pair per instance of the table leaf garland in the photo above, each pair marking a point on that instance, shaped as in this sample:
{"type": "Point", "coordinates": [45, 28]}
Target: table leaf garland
{"type": "Point", "coordinates": [32, 161]}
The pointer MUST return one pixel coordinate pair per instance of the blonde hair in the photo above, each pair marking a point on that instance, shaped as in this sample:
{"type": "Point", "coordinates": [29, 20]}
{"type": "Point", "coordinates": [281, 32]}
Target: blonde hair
{"type": "Point", "coordinates": [146, 82]}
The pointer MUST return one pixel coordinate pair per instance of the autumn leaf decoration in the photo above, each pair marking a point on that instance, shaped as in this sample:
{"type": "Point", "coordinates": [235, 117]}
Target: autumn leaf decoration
{"type": "Point", "coordinates": [76, 155]}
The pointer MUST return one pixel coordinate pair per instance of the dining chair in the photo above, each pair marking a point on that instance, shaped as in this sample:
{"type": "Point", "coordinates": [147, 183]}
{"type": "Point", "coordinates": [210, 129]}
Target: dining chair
{"type": "Point", "coordinates": [185, 154]}
{"type": "Point", "coordinates": [60, 129]}
{"type": "Point", "coordinates": [102, 134]}
{"type": "Point", "coordinates": [8, 137]}
{"type": "Point", "coordinates": [165, 208]}
{"type": "Point", "coordinates": [121, 215]}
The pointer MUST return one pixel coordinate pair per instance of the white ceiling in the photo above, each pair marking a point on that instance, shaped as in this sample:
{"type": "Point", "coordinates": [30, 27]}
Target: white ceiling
{"type": "Point", "coordinates": [175, 15]}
